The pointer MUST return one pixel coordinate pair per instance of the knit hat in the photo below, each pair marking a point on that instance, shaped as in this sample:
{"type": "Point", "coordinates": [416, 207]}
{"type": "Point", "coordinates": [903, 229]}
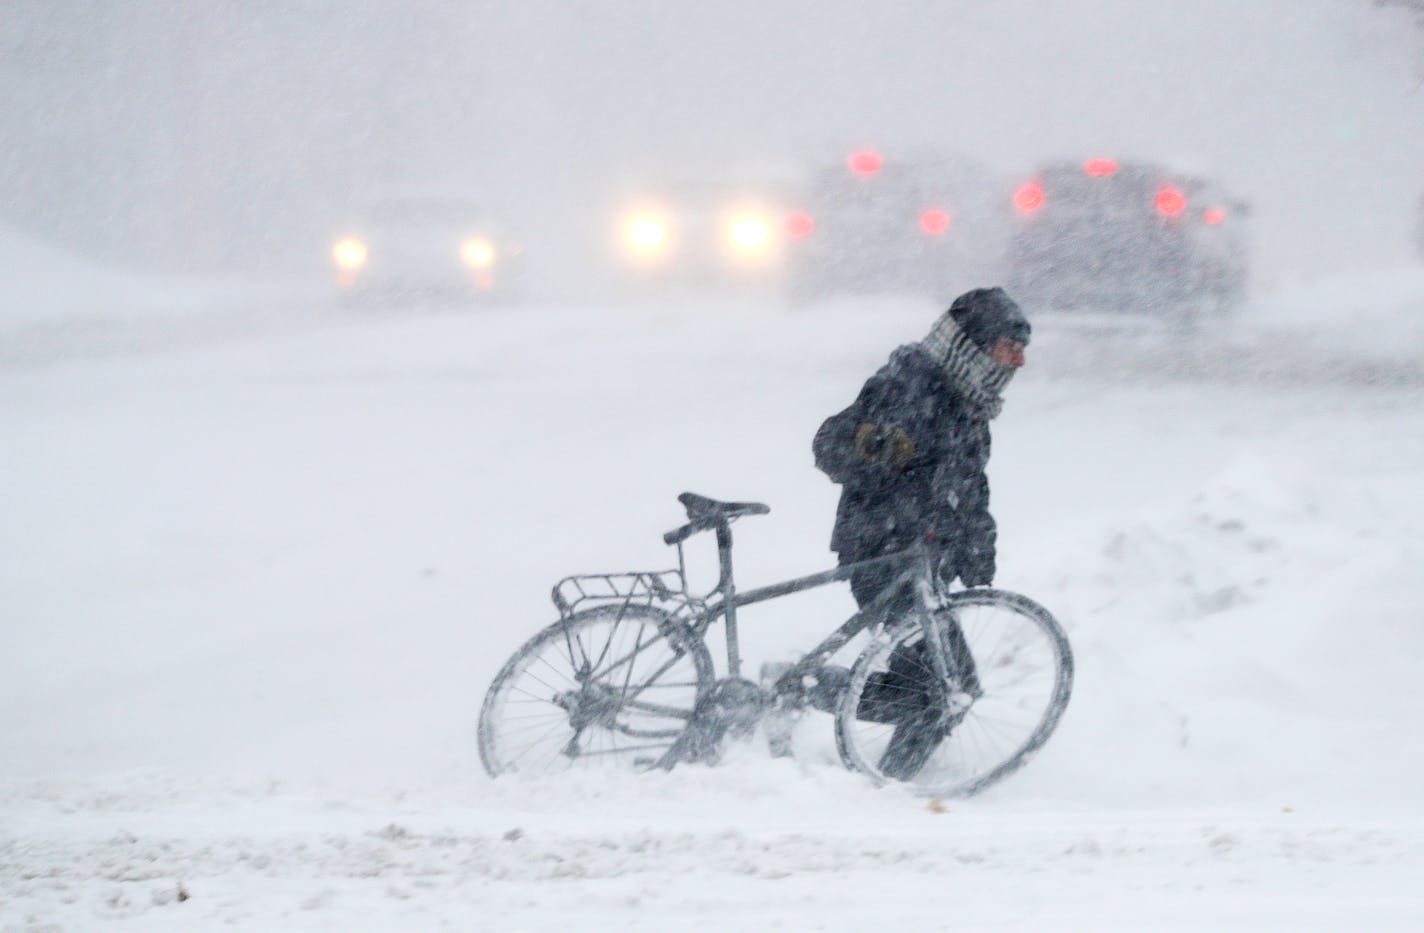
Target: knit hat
{"type": "Point", "coordinates": [960, 342]}
{"type": "Point", "coordinates": [986, 314]}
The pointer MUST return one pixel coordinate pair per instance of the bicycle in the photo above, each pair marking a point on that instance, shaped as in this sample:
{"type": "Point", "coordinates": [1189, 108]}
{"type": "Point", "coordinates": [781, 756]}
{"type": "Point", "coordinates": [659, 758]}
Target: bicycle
{"type": "Point", "coordinates": [624, 677]}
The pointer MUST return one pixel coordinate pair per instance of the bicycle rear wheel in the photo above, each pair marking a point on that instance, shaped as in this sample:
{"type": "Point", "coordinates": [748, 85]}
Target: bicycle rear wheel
{"type": "Point", "coordinates": [612, 686]}
{"type": "Point", "coordinates": [1011, 677]}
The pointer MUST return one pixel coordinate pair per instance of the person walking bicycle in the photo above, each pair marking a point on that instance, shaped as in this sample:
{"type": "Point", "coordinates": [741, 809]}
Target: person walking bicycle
{"type": "Point", "coordinates": [910, 455]}
{"type": "Point", "coordinates": [951, 691]}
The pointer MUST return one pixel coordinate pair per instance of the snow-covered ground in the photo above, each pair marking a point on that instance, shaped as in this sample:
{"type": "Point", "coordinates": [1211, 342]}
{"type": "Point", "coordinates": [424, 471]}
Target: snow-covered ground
{"type": "Point", "coordinates": [258, 577]}
{"type": "Point", "coordinates": [54, 306]}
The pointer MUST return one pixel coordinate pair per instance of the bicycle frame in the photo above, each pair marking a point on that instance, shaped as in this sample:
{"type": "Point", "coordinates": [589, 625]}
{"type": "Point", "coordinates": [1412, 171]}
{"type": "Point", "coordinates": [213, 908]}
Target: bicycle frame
{"type": "Point", "coordinates": [954, 666]}
{"type": "Point", "coordinates": [916, 572]}
{"type": "Point", "coordinates": [626, 671]}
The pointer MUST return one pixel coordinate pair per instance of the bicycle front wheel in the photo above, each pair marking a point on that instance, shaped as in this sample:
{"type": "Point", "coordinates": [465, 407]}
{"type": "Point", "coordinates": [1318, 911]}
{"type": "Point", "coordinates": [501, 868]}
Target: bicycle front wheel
{"type": "Point", "coordinates": [612, 686]}
{"type": "Point", "coordinates": [1011, 674]}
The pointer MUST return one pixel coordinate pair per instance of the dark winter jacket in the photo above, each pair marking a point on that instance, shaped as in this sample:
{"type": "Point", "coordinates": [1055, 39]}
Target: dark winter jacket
{"type": "Point", "coordinates": [910, 456]}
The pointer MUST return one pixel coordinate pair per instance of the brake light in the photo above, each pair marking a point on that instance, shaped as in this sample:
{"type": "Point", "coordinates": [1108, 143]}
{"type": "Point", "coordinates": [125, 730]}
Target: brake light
{"type": "Point", "coordinates": [1170, 201]}
{"type": "Point", "coordinates": [799, 225]}
{"type": "Point", "coordinates": [1029, 197]}
{"type": "Point", "coordinates": [934, 221]}
{"type": "Point", "coordinates": [1099, 167]}
{"type": "Point", "coordinates": [1213, 216]}
{"type": "Point", "coordinates": [865, 162]}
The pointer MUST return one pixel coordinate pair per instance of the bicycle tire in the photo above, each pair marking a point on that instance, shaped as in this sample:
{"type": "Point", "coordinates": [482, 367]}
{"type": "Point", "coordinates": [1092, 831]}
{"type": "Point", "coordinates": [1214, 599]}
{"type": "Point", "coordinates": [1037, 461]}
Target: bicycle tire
{"type": "Point", "coordinates": [612, 685]}
{"type": "Point", "coordinates": [1007, 635]}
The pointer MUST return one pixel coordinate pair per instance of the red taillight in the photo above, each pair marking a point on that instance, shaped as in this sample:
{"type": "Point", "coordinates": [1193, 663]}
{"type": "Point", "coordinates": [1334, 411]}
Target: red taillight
{"type": "Point", "coordinates": [934, 221]}
{"type": "Point", "coordinates": [1099, 167]}
{"type": "Point", "coordinates": [1170, 201]}
{"type": "Point", "coordinates": [1029, 197]}
{"type": "Point", "coordinates": [799, 225]}
{"type": "Point", "coordinates": [865, 162]}
{"type": "Point", "coordinates": [1213, 216]}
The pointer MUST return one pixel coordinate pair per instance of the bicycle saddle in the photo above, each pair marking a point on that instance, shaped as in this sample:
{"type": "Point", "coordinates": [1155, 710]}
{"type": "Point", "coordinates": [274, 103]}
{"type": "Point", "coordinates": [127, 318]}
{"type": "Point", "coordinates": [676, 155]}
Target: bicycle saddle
{"type": "Point", "coordinates": [701, 508]}
{"type": "Point", "coordinates": [704, 513]}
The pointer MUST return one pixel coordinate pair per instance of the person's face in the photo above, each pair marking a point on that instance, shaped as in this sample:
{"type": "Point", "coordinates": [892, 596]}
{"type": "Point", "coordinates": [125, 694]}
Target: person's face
{"type": "Point", "coordinates": [1007, 351]}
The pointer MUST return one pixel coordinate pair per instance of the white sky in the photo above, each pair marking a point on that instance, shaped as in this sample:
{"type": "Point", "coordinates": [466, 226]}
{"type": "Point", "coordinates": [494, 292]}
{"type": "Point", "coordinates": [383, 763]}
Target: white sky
{"type": "Point", "coordinates": [234, 131]}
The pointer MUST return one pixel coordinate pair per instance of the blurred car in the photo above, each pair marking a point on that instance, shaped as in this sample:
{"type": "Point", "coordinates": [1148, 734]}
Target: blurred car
{"type": "Point", "coordinates": [427, 244]}
{"type": "Point", "coordinates": [1127, 236]}
{"type": "Point", "coordinates": [876, 225]}
{"type": "Point", "coordinates": [702, 234]}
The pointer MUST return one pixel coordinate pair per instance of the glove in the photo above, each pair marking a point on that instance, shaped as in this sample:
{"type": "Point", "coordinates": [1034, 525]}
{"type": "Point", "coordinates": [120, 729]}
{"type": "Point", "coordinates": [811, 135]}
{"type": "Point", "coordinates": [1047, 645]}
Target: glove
{"type": "Point", "coordinates": [889, 446]}
{"type": "Point", "coordinates": [981, 574]}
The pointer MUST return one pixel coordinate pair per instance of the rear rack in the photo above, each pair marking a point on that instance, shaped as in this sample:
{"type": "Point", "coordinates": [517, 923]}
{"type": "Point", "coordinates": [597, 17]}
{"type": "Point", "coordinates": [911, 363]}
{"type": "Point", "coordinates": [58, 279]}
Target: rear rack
{"type": "Point", "coordinates": [646, 587]}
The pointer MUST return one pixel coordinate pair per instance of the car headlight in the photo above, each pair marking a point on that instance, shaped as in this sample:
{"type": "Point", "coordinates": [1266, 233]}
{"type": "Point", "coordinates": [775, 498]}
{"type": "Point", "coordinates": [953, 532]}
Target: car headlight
{"type": "Point", "coordinates": [749, 234]}
{"type": "Point", "coordinates": [646, 235]}
{"type": "Point", "coordinates": [477, 252]}
{"type": "Point", "coordinates": [349, 253]}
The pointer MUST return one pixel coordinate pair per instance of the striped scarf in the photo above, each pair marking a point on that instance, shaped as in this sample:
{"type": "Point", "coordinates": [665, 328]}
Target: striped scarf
{"type": "Point", "coordinates": [971, 371]}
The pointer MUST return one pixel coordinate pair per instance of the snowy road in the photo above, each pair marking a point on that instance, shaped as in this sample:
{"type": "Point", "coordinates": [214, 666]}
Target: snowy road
{"type": "Point", "coordinates": [259, 586]}
{"type": "Point", "coordinates": [753, 858]}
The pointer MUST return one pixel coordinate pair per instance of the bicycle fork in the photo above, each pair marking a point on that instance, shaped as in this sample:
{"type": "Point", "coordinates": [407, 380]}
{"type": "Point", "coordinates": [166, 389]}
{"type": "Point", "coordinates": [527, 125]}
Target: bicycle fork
{"type": "Point", "coordinates": [950, 656]}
